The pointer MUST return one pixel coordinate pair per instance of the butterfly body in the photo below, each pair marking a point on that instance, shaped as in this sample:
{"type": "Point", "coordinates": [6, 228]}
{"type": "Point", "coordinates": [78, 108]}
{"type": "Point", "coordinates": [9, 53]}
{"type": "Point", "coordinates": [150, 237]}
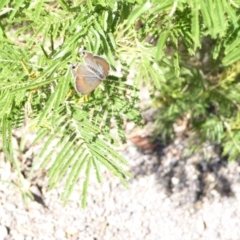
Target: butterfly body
{"type": "Point", "coordinates": [89, 74]}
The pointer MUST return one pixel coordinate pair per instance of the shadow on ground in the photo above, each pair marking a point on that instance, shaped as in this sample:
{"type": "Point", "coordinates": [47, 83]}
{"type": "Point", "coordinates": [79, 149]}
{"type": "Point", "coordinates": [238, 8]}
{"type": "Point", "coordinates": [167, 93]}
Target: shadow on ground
{"type": "Point", "coordinates": [194, 177]}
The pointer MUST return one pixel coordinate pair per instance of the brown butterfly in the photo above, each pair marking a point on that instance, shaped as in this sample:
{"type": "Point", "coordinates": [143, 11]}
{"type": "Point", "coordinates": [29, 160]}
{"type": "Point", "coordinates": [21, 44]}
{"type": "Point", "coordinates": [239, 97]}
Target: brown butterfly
{"type": "Point", "coordinates": [89, 74]}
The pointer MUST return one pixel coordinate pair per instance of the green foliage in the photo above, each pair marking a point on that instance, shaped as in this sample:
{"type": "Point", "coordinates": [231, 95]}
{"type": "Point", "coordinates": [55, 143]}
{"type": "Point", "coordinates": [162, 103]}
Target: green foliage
{"type": "Point", "coordinates": [186, 51]}
{"type": "Point", "coordinates": [200, 83]}
{"type": "Point", "coordinates": [39, 39]}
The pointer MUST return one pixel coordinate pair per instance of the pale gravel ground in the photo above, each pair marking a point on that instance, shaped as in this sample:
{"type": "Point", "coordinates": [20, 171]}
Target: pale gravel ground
{"type": "Point", "coordinates": [170, 197]}
{"type": "Point", "coordinates": [160, 203]}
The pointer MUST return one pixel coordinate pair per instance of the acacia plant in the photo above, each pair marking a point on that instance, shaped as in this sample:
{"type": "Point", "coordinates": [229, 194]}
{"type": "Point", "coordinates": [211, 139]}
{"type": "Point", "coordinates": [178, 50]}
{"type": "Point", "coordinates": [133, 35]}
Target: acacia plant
{"type": "Point", "coordinates": [186, 50]}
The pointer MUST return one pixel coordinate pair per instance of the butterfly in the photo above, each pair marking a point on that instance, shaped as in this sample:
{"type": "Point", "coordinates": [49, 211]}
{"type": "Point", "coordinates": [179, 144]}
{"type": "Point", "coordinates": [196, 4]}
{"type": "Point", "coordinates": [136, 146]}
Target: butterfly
{"type": "Point", "coordinates": [89, 74]}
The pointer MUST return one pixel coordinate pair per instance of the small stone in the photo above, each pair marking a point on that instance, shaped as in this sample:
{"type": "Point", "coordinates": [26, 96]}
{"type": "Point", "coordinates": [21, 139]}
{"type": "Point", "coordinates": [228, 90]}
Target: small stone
{"type": "Point", "coordinates": [3, 232]}
{"type": "Point", "coordinates": [71, 230]}
{"type": "Point", "coordinates": [59, 234]}
{"type": "Point", "coordinates": [10, 207]}
{"type": "Point", "coordinates": [200, 226]}
{"type": "Point", "coordinates": [175, 181]}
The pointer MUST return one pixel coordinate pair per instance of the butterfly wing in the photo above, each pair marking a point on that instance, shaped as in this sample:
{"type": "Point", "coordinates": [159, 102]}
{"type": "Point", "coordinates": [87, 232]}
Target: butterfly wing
{"type": "Point", "coordinates": [85, 80]}
{"type": "Point", "coordinates": [102, 64]}
{"type": "Point", "coordinates": [98, 64]}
